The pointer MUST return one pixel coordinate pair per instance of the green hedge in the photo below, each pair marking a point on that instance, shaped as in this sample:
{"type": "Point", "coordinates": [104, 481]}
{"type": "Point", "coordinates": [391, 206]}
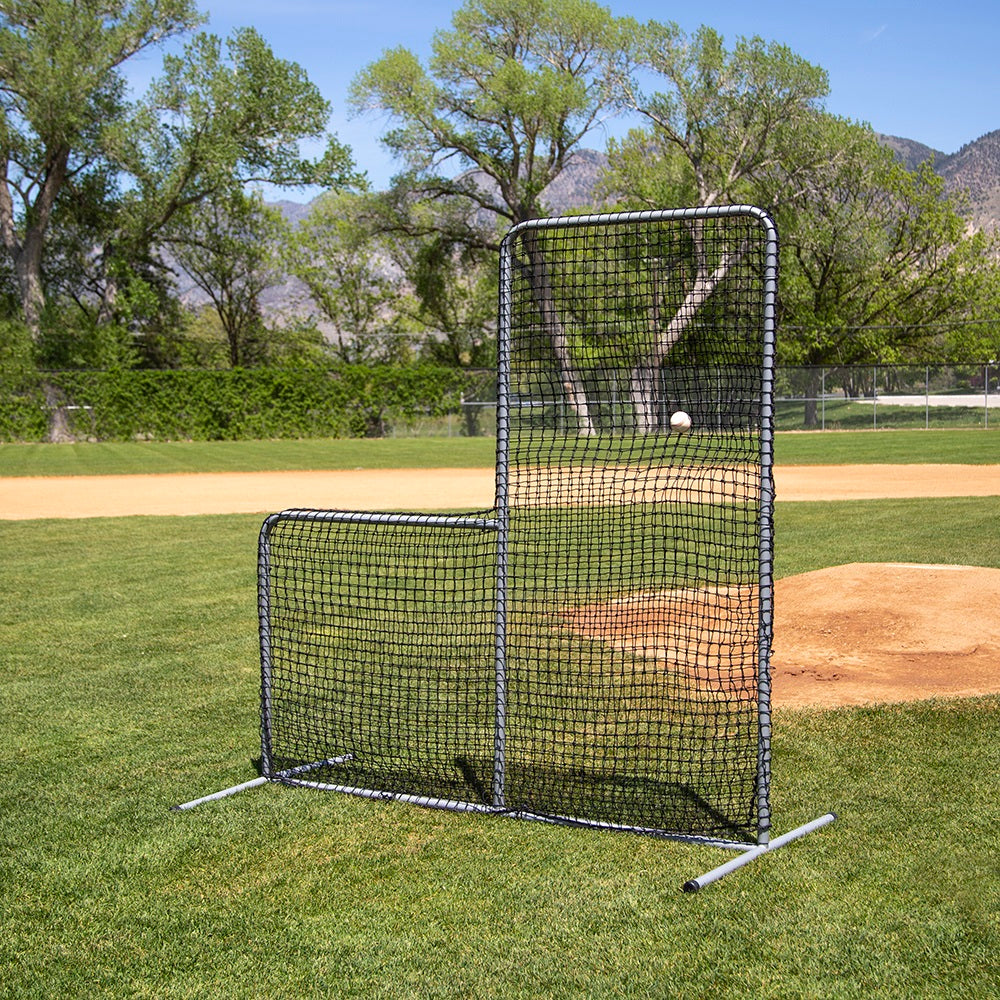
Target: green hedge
{"type": "Point", "coordinates": [347, 401]}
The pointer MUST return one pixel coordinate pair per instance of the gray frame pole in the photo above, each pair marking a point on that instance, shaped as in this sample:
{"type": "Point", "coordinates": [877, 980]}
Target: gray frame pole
{"type": "Point", "coordinates": [502, 504]}
{"type": "Point", "coordinates": [264, 618]}
{"type": "Point", "coordinates": [694, 884]}
{"type": "Point", "coordinates": [766, 535]}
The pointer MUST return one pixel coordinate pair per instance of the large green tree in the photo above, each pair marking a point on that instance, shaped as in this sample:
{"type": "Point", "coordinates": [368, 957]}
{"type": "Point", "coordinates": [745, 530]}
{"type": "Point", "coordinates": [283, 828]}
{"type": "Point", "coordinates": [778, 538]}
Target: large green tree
{"type": "Point", "coordinates": [230, 247]}
{"type": "Point", "coordinates": [343, 258]}
{"type": "Point", "coordinates": [60, 85]}
{"type": "Point", "coordinates": [510, 91]}
{"type": "Point", "coordinates": [451, 281]}
{"type": "Point", "coordinates": [118, 171]}
{"type": "Point", "coordinates": [221, 116]}
{"type": "Point", "coordinates": [878, 263]}
{"type": "Point", "coordinates": [718, 122]}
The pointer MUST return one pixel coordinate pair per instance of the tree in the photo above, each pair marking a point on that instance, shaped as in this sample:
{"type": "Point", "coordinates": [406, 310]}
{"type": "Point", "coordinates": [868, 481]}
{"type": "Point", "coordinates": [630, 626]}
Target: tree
{"type": "Point", "coordinates": [723, 122]}
{"type": "Point", "coordinates": [211, 124]}
{"type": "Point", "coordinates": [877, 260]}
{"type": "Point", "coordinates": [511, 90]}
{"type": "Point", "coordinates": [455, 286]}
{"type": "Point", "coordinates": [229, 246]}
{"type": "Point", "coordinates": [60, 85]}
{"type": "Point", "coordinates": [452, 280]}
{"type": "Point", "coordinates": [344, 262]}
{"type": "Point", "coordinates": [216, 118]}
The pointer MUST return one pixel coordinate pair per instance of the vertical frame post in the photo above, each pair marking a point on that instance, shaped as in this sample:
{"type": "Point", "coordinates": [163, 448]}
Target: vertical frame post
{"type": "Point", "coordinates": [766, 532]}
{"type": "Point", "coordinates": [264, 616]}
{"type": "Point", "coordinates": [502, 505]}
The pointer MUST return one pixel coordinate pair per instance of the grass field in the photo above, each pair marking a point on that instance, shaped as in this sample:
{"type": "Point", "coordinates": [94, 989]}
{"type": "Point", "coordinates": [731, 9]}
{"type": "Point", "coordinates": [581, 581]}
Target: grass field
{"type": "Point", "coordinates": [128, 658]}
{"type": "Point", "coordinates": [813, 448]}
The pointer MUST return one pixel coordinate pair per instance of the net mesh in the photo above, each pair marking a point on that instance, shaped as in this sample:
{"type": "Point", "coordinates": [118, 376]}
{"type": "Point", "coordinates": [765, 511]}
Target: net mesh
{"type": "Point", "coordinates": [629, 557]}
{"type": "Point", "coordinates": [381, 653]}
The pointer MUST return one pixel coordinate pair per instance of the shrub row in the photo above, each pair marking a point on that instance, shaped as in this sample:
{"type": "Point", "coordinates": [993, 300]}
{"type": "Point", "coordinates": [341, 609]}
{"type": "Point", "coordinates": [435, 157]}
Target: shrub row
{"type": "Point", "coordinates": [347, 401]}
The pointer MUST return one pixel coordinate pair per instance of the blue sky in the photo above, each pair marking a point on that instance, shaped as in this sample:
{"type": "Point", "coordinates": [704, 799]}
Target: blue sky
{"type": "Point", "coordinates": [924, 70]}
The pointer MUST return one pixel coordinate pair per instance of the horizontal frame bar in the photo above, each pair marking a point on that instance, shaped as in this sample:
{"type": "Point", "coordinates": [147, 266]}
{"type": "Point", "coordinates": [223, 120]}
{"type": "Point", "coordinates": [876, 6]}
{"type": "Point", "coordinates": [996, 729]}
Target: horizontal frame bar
{"type": "Point", "coordinates": [262, 780]}
{"type": "Point", "coordinates": [461, 805]}
{"type": "Point", "coordinates": [373, 517]}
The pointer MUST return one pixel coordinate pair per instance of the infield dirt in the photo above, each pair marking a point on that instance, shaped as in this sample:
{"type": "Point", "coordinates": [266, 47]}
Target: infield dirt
{"type": "Point", "coordinates": [419, 489]}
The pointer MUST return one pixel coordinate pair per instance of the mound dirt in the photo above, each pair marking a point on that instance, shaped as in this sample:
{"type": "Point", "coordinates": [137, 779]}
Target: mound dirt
{"type": "Point", "coordinates": [863, 633]}
{"type": "Point", "coordinates": [884, 632]}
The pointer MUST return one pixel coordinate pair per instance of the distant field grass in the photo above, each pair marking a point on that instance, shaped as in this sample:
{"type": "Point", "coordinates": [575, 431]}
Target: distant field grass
{"type": "Point", "coordinates": [128, 655]}
{"type": "Point", "coordinates": [968, 446]}
{"type": "Point", "coordinates": [847, 415]}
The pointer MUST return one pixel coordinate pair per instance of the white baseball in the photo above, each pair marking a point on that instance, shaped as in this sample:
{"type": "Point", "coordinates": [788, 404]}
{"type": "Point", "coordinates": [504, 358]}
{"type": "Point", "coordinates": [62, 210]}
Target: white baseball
{"type": "Point", "coordinates": [680, 421]}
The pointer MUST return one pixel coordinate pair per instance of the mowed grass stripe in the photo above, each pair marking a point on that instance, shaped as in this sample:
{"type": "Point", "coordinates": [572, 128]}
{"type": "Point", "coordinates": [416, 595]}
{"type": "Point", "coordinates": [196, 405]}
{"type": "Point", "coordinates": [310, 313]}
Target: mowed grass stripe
{"type": "Point", "coordinates": [951, 447]}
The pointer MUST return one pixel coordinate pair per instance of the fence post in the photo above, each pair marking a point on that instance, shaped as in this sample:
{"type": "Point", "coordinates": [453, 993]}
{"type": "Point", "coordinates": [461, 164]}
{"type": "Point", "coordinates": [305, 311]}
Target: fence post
{"type": "Point", "coordinates": [986, 395]}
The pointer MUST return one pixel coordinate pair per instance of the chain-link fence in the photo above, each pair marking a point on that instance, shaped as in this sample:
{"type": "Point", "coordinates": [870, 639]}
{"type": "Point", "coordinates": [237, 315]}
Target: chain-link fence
{"type": "Point", "coordinates": [857, 397]}
{"type": "Point", "coordinates": [828, 397]}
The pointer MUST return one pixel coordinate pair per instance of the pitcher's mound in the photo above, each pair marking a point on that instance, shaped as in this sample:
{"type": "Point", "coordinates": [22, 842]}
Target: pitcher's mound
{"type": "Point", "coordinates": [849, 635]}
{"type": "Point", "coordinates": [883, 632]}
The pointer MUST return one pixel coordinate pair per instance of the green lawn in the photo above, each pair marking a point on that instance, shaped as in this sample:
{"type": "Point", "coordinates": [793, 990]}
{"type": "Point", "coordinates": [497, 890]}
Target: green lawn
{"type": "Point", "coordinates": [110, 458]}
{"type": "Point", "coordinates": [129, 683]}
{"type": "Point", "coordinates": [813, 448]}
{"type": "Point", "coordinates": [847, 415]}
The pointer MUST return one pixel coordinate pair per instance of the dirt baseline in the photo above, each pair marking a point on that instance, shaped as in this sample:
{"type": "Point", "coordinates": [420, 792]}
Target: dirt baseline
{"type": "Point", "coordinates": [435, 489]}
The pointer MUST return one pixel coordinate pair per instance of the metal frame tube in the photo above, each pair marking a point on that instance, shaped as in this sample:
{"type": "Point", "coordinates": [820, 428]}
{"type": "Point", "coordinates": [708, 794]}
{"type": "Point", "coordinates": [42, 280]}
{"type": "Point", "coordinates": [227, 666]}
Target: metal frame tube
{"type": "Point", "coordinates": [262, 780]}
{"type": "Point", "coordinates": [502, 508]}
{"type": "Point", "coordinates": [694, 884]}
{"type": "Point", "coordinates": [765, 584]}
{"type": "Point", "coordinates": [376, 517]}
{"type": "Point", "coordinates": [264, 619]}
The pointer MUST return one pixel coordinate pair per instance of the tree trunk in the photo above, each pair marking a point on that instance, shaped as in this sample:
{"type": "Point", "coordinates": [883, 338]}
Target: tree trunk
{"type": "Point", "coordinates": [26, 253]}
{"type": "Point", "coordinates": [811, 416]}
{"type": "Point", "coordinates": [59, 431]}
{"type": "Point", "coordinates": [540, 281]}
{"type": "Point", "coordinates": [642, 392]}
{"type": "Point", "coordinates": [643, 381]}
{"type": "Point", "coordinates": [28, 269]}
{"type": "Point", "coordinates": [814, 388]}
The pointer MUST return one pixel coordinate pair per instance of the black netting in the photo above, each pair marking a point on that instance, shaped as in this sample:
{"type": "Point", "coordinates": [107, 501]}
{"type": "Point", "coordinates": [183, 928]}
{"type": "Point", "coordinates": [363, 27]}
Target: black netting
{"type": "Point", "coordinates": [381, 653]}
{"type": "Point", "coordinates": [634, 582]}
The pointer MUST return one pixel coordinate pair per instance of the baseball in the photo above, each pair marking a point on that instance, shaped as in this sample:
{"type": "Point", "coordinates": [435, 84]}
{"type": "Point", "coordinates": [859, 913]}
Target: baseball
{"type": "Point", "coordinates": [680, 421]}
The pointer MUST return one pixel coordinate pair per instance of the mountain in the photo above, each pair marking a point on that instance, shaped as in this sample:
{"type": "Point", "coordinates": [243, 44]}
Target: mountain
{"type": "Point", "coordinates": [911, 153]}
{"type": "Point", "coordinates": [974, 170]}
{"type": "Point", "coordinates": [575, 187]}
